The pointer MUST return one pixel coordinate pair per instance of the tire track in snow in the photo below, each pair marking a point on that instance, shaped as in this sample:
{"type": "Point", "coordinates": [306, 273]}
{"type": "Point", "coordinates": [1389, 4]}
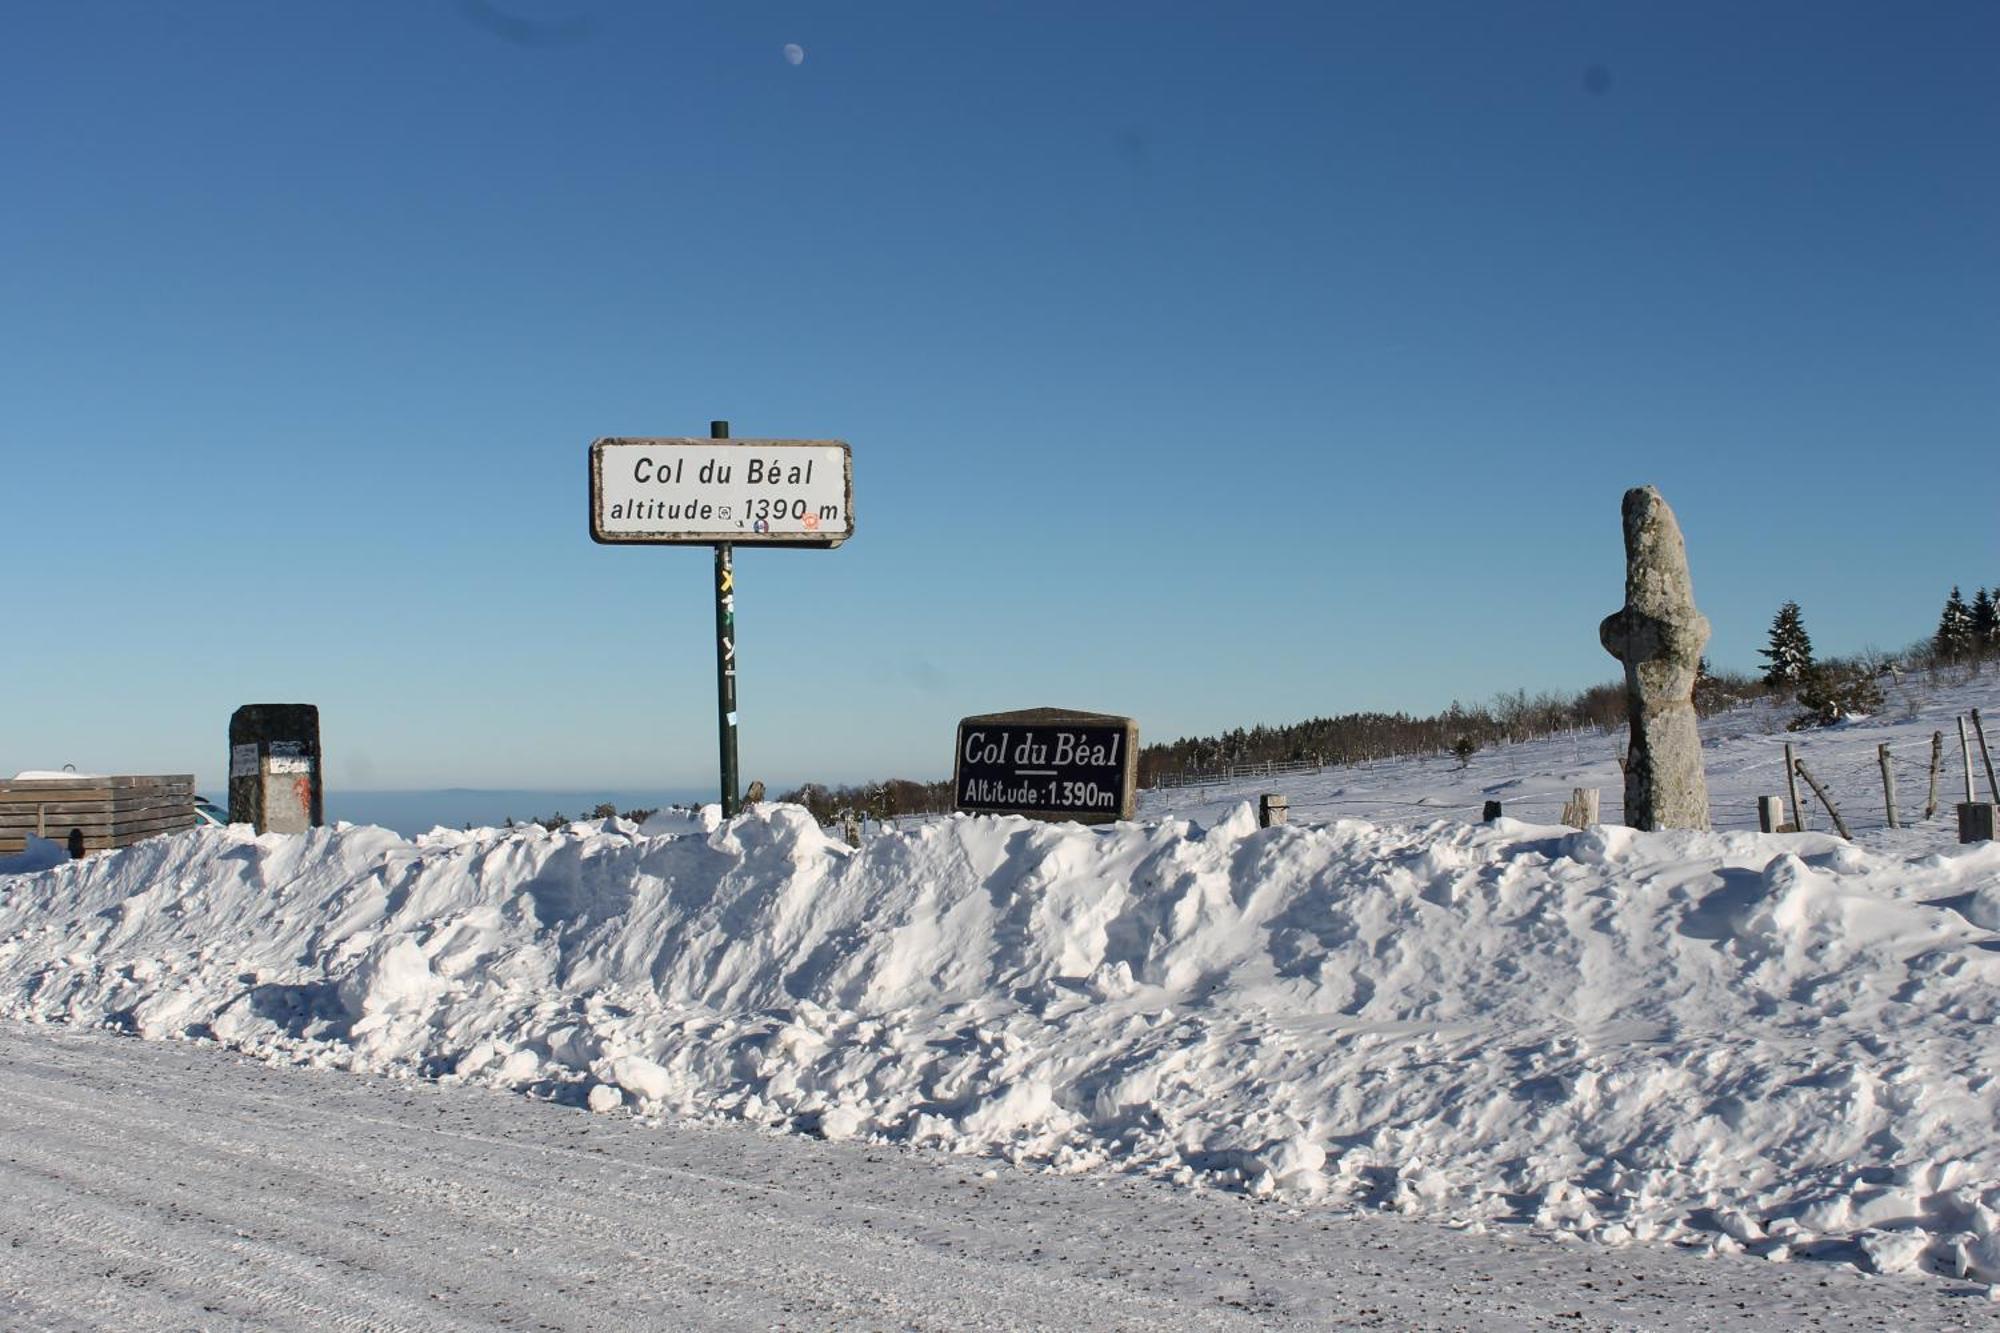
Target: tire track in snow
{"type": "Point", "coordinates": [96, 1228]}
{"type": "Point", "coordinates": [554, 1207]}
{"type": "Point", "coordinates": [357, 1248]}
{"type": "Point", "coordinates": [319, 1188]}
{"type": "Point", "coordinates": [91, 1211]}
{"type": "Point", "coordinates": [791, 1234]}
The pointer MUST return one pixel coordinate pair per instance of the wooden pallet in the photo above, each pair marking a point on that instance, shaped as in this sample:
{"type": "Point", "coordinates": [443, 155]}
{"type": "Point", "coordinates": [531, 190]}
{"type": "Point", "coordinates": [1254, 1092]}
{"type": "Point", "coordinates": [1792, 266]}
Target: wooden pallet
{"type": "Point", "coordinates": [111, 811]}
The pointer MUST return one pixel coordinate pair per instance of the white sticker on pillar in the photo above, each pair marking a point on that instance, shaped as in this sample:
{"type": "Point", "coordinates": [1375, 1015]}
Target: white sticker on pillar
{"type": "Point", "coordinates": [732, 719]}
{"type": "Point", "coordinates": [243, 760]}
{"type": "Point", "coordinates": [287, 764]}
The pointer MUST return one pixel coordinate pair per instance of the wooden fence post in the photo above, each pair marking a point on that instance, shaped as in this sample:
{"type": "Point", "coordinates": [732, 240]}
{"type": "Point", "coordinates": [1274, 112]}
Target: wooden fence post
{"type": "Point", "coordinates": [1792, 786]}
{"type": "Point", "coordinates": [1832, 810]}
{"type": "Point", "coordinates": [1581, 811]}
{"type": "Point", "coordinates": [1888, 783]}
{"type": "Point", "coordinates": [1992, 788]}
{"type": "Point", "coordinates": [1937, 765]}
{"type": "Point", "coordinates": [1272, 810]}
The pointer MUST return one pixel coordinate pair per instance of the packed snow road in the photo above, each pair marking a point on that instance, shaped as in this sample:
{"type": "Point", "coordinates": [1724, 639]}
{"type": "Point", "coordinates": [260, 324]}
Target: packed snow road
{"type": "Point", "coordinates": [170, 1185]}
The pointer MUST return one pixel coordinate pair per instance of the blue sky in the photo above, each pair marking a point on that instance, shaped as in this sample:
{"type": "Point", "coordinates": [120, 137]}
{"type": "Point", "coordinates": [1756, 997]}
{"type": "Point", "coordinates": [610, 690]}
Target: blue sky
{"type": "Point", "coordinates": [1212, 364]}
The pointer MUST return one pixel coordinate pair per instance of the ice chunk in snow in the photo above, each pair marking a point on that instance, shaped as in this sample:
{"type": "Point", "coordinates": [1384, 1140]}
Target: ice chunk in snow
{"type": "Point", "coordinates": [393, 977]}
{"type": "Point", "coordinates": [642, 1078]}
{"type": "Point", "coordinates": [838, 1122]}
{"type": "Point", "coordinates": [1021, 1104]}
{"type": "Point", "coordinates": [1893, 1251]}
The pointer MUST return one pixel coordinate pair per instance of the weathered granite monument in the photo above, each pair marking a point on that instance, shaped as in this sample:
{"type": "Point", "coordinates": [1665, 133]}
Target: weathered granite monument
{"type": "Point", "coordinates": [1659, 637]}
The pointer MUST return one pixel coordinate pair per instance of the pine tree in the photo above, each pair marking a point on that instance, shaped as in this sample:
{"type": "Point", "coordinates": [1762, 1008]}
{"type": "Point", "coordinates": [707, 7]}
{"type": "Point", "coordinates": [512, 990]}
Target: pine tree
{"type": "Point", "coordinates": [1790, 653]}
{"type": "Point", "coordinates": [1986, 622]}
{"type": "Point", "coordinates": [1954, 637]}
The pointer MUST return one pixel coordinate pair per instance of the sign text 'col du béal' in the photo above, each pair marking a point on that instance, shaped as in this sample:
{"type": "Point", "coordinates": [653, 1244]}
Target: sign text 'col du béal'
{"type": "Point", "coordinates": [742, 492]}
{"type": "Point", "coordinates": [1047, 763]}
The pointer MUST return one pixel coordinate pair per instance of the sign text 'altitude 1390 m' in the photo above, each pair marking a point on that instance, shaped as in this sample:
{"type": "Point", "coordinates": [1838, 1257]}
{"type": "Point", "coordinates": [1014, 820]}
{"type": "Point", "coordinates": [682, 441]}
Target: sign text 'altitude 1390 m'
{"type": "Point", "coordinates": [1047, 763]}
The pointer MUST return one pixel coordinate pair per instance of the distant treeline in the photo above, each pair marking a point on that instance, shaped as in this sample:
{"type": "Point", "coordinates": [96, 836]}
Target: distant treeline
{"type": "Point", "coordinates": [879, 800]}
{"type": "Point", "coordinates": [603, 810]}
{"type": "Point", "coordinates": [1352, 738]}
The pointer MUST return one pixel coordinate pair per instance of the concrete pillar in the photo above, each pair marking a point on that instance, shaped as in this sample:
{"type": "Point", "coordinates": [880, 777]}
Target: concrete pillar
{"type": "Point", "coordinates": [1770, 813]}
{"type": "Point", "coordinates": [275, 777]}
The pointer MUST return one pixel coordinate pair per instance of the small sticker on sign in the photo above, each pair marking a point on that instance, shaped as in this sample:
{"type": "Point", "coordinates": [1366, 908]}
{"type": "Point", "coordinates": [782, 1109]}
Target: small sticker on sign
{"type": "Point", "coordinates": [243, 760]}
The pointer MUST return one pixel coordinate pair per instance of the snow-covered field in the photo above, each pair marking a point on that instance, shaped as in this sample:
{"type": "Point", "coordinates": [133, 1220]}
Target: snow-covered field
{"type": "Point", "coordinates": [1774, 1044]}
{"type": "Point", "coordinates": [1744, 752]}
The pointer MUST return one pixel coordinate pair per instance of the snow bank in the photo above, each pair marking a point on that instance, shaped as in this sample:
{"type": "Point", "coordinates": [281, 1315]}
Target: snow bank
{"type": "Point", "coordinates": [36, 854]}
{"type": "Point", "coordinates": [1779, 1043]}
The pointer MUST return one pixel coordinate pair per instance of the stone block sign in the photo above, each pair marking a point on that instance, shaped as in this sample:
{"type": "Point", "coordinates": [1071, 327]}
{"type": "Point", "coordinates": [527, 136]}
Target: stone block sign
{"type": "Point", "coordinates": [1047, 763]}
{"type": "Point", "coordinates": [275, 778]}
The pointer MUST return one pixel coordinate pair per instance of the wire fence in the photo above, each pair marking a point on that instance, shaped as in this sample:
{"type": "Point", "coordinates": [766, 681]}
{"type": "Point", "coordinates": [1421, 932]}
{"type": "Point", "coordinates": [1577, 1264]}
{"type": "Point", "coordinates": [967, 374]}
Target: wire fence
{"type": "Point", "coordinates": [1853, 776]}
{"type": "Point", "coordinates": [1847, 768]}
{"type": "Point", "coordinates": [1210, 777]}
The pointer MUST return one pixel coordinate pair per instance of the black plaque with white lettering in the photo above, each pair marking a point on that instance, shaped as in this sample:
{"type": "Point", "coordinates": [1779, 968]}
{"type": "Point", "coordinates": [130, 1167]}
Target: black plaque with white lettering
{"type": "Point", "coordinates": [1047, 763]}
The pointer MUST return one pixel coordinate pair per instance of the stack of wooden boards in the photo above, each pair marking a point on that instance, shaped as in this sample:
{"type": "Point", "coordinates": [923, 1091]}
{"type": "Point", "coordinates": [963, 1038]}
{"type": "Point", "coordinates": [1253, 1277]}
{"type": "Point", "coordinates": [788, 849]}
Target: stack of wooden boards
{"type": "Point", "coordinates": [111, 811]}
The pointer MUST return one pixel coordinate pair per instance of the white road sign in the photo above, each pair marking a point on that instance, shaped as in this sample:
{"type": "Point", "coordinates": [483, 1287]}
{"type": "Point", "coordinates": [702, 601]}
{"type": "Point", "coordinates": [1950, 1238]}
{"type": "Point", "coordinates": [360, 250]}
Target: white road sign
{"type": "Point", "coordinates": [743, 492]}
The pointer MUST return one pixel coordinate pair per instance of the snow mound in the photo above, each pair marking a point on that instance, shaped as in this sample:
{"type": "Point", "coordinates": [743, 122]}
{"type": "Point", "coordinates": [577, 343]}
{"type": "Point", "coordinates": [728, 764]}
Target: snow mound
{"type": "Point", "coordinates": [36, 854]}
{"type": "Point", "coordinates": [1774, 1043]}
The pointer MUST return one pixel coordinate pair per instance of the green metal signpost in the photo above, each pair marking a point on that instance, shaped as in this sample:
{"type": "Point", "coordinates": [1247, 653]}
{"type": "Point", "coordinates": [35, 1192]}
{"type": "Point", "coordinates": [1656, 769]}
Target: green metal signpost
{"type": "Point", "coordinates": [724, 493]}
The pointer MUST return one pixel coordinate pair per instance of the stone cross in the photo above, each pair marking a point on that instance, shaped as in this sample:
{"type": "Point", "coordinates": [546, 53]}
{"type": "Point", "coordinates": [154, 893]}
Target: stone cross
{"type": "Point", "coordinates": [1659, 637]}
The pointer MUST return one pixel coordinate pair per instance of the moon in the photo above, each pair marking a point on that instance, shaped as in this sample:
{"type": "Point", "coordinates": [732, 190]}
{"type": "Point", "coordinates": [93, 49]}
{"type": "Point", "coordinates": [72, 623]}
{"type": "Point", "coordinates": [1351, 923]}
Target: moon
{"type": "Point", "coordinates": [794, 54]}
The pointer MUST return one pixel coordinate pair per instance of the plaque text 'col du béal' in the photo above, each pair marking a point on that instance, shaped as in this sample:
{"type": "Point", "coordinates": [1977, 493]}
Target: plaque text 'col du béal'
{"type": "Point", "coordinates": [1047, 763]}
{"type": "Point", "coordinates": [743, 492]}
